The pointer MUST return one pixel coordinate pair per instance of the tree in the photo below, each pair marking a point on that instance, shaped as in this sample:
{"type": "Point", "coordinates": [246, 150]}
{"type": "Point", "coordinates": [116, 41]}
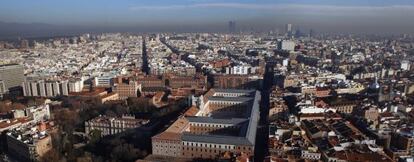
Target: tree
{"type": "Point", "coordinates": [95, 135]}
{"type": "Point", "coordinates": [66, 119]}
{"type": "Point", "coordinates": [139, 105]}
{"type": "Point", "coordinates": [88, 157]}
{"type": "Point", "coordinates": [125, 152]}
{"type": "Point", "coordinates": [120, 110]}
{"type": "Point", "coordinates": [4, 108]}
{"type": "Point", "coordinates": [51, 155]}
{"type": "Point", "coordinates": [110, 113]}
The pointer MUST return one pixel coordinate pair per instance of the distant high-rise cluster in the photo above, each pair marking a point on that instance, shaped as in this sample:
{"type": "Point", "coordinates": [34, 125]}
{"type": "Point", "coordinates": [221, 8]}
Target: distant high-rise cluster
{"type": "Point", "coordinates": [288, 29]}
{"type": "Point", "coordinates": [232, 26]}
{"type": "Point", "coordinates": [24, 44]}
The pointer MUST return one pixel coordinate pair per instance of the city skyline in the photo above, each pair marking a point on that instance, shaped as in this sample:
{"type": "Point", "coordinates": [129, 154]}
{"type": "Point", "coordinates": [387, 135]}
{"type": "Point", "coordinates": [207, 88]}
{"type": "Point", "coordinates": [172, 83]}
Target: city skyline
{"type": "Point", "coordinates": [373, 17]}
{"type": "Point", "coordinates": [207, 80]}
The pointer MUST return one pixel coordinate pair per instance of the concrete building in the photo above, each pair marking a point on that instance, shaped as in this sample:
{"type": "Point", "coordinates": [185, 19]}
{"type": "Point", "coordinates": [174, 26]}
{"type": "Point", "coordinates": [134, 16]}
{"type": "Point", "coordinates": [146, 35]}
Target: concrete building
{"type": "Point", "coordinates": [36, 113]}
{"type": "Point", "coordinates": [24, 44]}
{"type": "Point", "coordinates": [126, 88]}
{"type": "Point", "coordinates": [150, 81]}
{"type": "Point", "coordinates": [310, 155]}
{"type": "Point", "coordinates": [226, 121]}
{"type": "Point", "coordinates": [197, 81]}
{"type": "Point", "coordinates": [286, 45]}
{"type": "Point", "coordinates": [39, 113]}
{"type": "Point", "coordinates": [44, 88]}
{"type": "Point", "coordinates": [238, 70]}
{"type": "Point", "coordinates": [76, 85]}
{"type": "Point", "coordinates": [235, 81]}
{"type": "Point", "coordinates": [232, 26]}
{"type": "Point", "coordinates": [28, 144]}
{"type": "Point", "coordinates": [405, 65]}
{"type": "Point", "coordinates": [103, 81]}
{"type": "Point", "coordinates": [288, 28]}
{"type": "Point", "coordinates": [12, 75]}
{"type": "Point", "coordinates": [402, 142]}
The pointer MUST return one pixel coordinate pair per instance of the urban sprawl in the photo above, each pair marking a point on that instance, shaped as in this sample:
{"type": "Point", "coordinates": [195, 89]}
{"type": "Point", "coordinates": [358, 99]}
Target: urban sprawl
{"type": "Point", "coordinates": [233, 96]}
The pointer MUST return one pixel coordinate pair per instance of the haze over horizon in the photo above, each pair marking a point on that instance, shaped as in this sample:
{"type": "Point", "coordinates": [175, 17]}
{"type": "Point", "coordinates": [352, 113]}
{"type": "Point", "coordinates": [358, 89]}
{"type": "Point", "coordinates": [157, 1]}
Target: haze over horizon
{"type": "Point", "coordinates": [351, 16]}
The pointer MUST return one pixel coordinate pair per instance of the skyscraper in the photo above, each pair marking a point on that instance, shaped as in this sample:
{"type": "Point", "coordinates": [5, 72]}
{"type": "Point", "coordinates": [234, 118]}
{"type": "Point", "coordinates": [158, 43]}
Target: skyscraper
{"type": "Point", "coordinates": [232, 26]}
{"type": "Point", "coordinates": [24, 44]}
{"type": "Point", "coordinates": [288, 28]}
{"type": "Point", "coordinates": [289, 31]}
{"type": "Point", "coordinates": [12, 75]}
{"type": "Point", "coordinates": [311, 33]}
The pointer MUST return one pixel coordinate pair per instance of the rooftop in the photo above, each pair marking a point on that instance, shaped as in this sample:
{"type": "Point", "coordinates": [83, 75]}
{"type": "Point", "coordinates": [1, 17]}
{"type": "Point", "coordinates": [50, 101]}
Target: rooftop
{"type": "Point", "coordinates": [232, 140]}
{"type": "Point", "coordinates": [201, 119]}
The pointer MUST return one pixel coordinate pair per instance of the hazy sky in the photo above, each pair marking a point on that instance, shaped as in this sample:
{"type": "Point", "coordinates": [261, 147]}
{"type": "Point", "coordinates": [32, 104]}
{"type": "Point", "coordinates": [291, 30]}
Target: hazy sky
{"type": "Point", "coordinates": [325, 15]}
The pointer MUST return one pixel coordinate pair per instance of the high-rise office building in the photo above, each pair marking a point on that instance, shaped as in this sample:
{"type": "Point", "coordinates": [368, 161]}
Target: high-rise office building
{"type": "Point", "coordinates": [12, 76]}
{"type": "Point", "coordinates": [232, 26]}
{"type": "Point", "coordinates": [311, 33]}
{"type": "Point", "coordinates": [24, 44]}
{"type": "Point", "coordinates": [288, 28]}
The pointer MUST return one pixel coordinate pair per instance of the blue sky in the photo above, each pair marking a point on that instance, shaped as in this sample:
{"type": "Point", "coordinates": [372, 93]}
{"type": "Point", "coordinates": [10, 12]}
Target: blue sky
{"type": "Point", "coordinates": [329, 13]}
{"type": "Point", "coordinates": [156, 11]}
